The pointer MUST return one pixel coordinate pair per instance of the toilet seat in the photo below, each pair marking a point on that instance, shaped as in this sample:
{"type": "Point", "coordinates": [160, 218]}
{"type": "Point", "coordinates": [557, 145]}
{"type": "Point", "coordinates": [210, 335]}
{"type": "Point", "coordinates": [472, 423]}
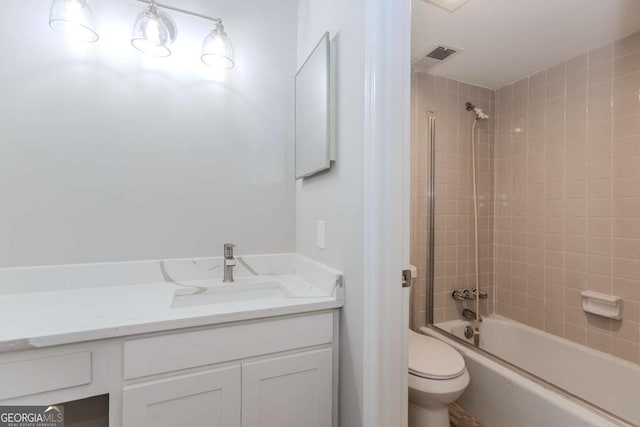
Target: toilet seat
{"type": "Point", "coordinates": [433, 359]}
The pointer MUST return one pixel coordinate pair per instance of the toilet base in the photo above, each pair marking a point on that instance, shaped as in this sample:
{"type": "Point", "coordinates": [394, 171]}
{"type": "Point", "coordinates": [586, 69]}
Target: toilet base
{"type": "Point", "coordinates": [420, 416]}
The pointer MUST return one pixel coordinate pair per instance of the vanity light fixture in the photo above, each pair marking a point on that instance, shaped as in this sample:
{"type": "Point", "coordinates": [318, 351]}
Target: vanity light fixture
{"type": "Point", "coordinates": [73, 19]}
{"type": "Point", "coordinates": [450, 5]}
{"type": "Point", "coordinates": [153, 32]}
{"type": "Point", "coordinates": [217, 50]}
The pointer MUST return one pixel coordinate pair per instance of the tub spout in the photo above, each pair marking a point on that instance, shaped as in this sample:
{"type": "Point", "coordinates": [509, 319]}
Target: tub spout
{"type": "Point", "coordinates": [470, 315]}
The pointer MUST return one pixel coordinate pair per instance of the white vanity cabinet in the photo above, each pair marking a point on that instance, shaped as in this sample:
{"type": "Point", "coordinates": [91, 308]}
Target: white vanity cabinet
{"type": "Point", "coordinates": [288, 391]}
{"type": "Point", "coordinates": [169, 344]}
{"type": "Point", "coordinates": [275, 372]}
{"type": "Point", "coordinates": [203, 399]}
{"type": "Point", "coordinates": [269, 372]}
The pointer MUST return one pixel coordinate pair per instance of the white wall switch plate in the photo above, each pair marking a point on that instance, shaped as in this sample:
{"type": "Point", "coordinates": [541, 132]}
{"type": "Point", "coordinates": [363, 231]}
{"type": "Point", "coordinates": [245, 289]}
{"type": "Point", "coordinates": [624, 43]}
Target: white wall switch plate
{"type": "Point", "coordinates": [320, 234]}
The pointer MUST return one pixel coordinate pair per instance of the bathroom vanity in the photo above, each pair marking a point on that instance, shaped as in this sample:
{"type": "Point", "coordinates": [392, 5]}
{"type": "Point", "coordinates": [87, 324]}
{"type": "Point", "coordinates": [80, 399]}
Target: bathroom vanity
{"type": "Point", "coordinates": [172, 345]}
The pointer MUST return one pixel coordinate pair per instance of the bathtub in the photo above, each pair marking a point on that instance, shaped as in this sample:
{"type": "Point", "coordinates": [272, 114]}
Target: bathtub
{"type": "Point", "coordinates": [500, 396]}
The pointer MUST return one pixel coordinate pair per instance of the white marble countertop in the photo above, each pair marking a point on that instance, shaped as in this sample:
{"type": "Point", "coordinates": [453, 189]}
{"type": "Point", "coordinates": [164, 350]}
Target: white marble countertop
{"type": "Point", "coordinates": [69, 314]}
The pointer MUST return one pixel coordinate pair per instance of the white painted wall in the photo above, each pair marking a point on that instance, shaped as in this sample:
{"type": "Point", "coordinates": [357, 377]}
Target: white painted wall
{"type": "Point", "coordinates": [107, 155]}
{"type": "Point", "coordinates": [336, 196]}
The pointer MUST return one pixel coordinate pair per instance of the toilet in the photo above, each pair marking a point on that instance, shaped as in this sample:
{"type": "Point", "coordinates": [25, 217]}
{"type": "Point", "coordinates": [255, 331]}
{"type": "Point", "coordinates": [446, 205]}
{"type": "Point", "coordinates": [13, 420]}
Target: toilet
{"type": "Point", "coordinates": [437, 377]}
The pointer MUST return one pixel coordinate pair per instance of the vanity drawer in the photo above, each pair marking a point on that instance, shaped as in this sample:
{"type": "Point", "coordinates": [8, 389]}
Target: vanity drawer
{"type": "Point", "coordinates": [32, 376]}
{"type": "Point", "coordinates": [167, 353]}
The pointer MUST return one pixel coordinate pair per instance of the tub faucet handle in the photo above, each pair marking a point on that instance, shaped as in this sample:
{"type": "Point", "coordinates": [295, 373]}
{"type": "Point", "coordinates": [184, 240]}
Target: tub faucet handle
{"type": "Point", "coordinates": [469, 294]}
{"type": "Point", "coordinates": [482, 294]}
{"type": "Point", "coordinates": [458, 295]}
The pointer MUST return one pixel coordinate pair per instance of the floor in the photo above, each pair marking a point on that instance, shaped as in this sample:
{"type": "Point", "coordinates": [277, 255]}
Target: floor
{"type": "Point", "coordinates": [461, 418]}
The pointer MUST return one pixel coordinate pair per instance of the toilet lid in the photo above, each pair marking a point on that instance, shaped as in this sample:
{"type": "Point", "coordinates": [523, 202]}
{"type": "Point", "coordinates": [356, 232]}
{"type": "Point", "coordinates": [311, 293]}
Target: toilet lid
{"type": "Point", "coordinates": [432, 358]}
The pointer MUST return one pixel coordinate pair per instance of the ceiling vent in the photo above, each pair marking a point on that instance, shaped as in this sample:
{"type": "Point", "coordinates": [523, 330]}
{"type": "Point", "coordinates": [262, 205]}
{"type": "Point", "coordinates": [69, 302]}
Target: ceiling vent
{"type": "Point", "coordinates": [435, 57]}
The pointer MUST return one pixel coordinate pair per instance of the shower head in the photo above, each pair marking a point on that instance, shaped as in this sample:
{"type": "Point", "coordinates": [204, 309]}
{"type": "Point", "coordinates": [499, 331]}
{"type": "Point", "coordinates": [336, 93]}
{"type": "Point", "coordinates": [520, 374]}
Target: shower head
{"type": "Point", "coordinates": [480, 115]}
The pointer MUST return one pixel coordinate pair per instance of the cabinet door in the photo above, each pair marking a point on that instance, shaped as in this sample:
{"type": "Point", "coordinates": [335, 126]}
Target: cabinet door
{"type": "Point", "coordinates": [288, 391]}
{"type": "Point", "coordinates": [210, 398]}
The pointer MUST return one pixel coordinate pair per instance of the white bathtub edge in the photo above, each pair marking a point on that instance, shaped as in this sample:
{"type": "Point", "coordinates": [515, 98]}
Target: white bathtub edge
{"type": "Point", "coordinates": [531, 393]}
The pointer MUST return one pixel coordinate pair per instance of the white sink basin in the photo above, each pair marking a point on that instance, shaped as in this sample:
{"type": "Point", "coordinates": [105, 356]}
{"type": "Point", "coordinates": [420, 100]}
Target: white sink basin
{"type": "Point", "coordinates": [228, 293]}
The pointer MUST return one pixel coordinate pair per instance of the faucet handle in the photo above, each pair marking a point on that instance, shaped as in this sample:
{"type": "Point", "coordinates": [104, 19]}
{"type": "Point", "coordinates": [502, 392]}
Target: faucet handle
{"type": "Point", "coordinates": [458, 295]}
{"type": "Point", "coordinates": [228, 250]}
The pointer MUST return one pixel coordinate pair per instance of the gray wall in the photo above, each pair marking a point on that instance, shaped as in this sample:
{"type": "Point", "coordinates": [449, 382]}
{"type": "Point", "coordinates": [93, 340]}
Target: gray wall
{"type": "Point", "coordinates": [336, 196]}
{"type": "Point", "coordinates": [108, 155]}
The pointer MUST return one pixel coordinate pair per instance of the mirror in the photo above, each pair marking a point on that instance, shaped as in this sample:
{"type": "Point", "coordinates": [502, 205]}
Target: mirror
{"type": "Point", "coordinates": [313, 112]}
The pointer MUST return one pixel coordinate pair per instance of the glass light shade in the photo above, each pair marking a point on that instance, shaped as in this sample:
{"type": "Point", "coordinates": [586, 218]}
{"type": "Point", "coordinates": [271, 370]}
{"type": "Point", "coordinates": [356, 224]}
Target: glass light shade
{"type": "Point", "coordinates": [73, 19]}
{"type": "Point", "coordinates": [153, 32]}
{"type": "Point", "coordinates": [217, 50]}
{"type": "Point", "coordinates": [450, 5]}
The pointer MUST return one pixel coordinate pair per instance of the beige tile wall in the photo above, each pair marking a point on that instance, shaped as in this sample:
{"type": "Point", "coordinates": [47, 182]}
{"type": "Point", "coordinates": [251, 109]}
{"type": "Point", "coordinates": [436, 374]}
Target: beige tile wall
{"type": "Point", "coordinates": [567, 182]}
{"type": "Point", "coordinates": [453, 204]}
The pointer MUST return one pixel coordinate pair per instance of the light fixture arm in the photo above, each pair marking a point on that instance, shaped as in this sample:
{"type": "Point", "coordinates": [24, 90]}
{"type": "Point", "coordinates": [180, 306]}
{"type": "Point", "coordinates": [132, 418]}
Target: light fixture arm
{"type": "Point", "coordinates": [177, 9]}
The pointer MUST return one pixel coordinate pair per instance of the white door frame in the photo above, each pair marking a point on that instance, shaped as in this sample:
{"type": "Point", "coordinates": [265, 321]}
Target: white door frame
{"type": "Point", "coordinates": [387, 210]}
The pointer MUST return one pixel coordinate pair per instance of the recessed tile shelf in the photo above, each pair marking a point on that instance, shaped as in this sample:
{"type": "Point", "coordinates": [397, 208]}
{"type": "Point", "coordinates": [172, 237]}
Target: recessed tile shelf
{"type": "Point", "coordinates": [608, 306]}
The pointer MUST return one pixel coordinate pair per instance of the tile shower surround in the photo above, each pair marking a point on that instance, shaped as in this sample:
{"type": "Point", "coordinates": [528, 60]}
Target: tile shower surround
{"type": "Point", "coordinates": [565, 217]}
{"type": "Point", "coordinates": [454, 250]}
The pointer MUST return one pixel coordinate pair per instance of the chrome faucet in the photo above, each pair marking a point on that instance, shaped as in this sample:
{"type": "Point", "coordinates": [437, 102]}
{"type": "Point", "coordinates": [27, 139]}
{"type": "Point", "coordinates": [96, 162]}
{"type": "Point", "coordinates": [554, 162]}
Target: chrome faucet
{"type": "Point", "coordinates": [229, 262]}
{"type": "Point", "coordinates": [470, 315]}
{"type": "Point", "coordinates": [468, 294]}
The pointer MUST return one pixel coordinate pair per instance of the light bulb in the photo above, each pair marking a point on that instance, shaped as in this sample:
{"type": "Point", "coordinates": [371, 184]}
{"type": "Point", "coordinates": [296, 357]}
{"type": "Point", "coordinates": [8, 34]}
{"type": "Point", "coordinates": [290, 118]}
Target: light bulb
{"type": "Point", "coordinates": [73, 19]}
{"type": "Point", "coordinates": [153, 32]}
{"type": "Point", "coordinates": [217, 50]}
